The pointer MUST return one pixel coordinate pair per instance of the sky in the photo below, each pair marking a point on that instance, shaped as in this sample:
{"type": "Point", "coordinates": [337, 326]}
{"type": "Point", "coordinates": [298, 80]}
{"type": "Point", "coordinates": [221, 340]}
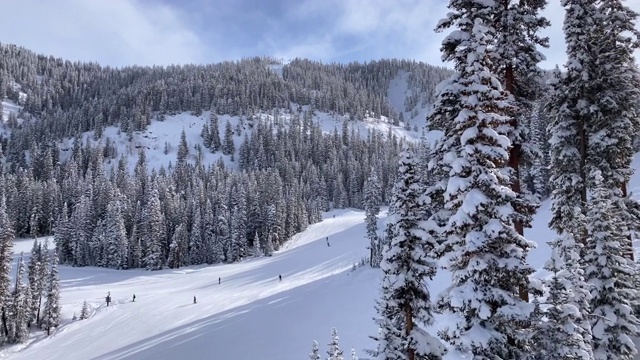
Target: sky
{"type": "Point", "coordinates": [164, 32]}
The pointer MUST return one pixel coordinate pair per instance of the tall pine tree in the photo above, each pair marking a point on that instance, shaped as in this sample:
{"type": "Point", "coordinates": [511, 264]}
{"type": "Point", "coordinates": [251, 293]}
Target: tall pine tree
{"type": "Point", "coordinates": [483, 251]}
{"type": "Point", "coordinates": [404, 310]}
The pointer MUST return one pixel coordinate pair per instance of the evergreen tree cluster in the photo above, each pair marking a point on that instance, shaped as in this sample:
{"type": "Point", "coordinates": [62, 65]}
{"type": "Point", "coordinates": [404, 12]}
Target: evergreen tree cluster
{"type": "Point", "coordinates": [190, 213]}
{"type": "Point", "coordinates": [467, 201]}
{"type": "Point", "coordinates": [32, 299]}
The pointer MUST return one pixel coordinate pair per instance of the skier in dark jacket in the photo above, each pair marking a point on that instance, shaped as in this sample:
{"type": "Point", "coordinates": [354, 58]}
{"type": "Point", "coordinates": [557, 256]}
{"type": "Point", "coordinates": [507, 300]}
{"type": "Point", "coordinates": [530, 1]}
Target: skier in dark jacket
{"type": "Point", "coordinates": [328, 242]}
{"type": "Point", "coordinates": [134, 297]}
{"type": "Point", "coordinates": [280, 277]}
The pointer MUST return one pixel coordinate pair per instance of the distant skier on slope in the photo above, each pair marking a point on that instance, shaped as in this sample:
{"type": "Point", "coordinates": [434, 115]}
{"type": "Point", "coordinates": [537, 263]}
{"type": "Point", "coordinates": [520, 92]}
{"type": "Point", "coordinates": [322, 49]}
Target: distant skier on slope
{"type": "Point", "coordinates": [280, 277]}
{"type": "Point", "coordinates": [194, 299]}
{"type": "Point", "coordinates": [328, 242]}
{"type": "Point", "coordinates": [134, 297]}
{"type": "Point", "coordinates": [219, 280]}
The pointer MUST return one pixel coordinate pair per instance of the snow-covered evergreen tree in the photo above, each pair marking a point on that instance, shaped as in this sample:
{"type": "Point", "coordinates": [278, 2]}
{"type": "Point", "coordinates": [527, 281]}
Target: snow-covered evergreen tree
{"type": "Point", "coordinates": [177, 248]}
{"type": "Point", "coordinates": [117, 244]}
{"type": "Point", "coordinates": [154, 231]}
{"type": "Point", "coordinates": [354, 356]}
{"type": "Point", "coordinates": [615, 122]}
{"type": "Point", "coordinates": [21, 304]}
{"type": "Point", "coordinates": [372, 200]}
{"type": "Point", "coordinates": [404, 309]}
{"type": "Point", "coordinates": [562, 334]}
{"type": "Point", "coordinates": [228, 147]}
{"type": "Point", "coordinates": [517, 39]}
{"type": "Point", "coordinates": [315, 352]}
{"type": "Point", "coordinates": [7, 236]}
{"type": "Point", "coordinates": [483, 251]}
{"type": "Point", "coordinates": [257, 250]}
{"type": "Point", "coordinates": [610, 277]}
{"type": "Point", "coordinates": [334, 352]}
{"type": "Point", "coordinates": [569, 108]}
{"type": "Point", "coordinates": [268, 247]}
{"type": "Point", "coordinates": [84, 312]}
{"type": "Point", "coordinates": [214, 132]}
{"type": "Point", "coordinates": [51, 314]}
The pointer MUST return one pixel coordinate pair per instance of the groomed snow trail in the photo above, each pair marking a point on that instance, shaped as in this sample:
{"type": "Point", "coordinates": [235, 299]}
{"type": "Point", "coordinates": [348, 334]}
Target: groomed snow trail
{"type": "Point", "coordinates": [250, 315]}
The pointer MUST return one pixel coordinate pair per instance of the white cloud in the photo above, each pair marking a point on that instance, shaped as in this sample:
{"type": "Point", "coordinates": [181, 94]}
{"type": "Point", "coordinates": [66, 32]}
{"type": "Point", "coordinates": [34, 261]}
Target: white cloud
{"type": "Point", "coordinates": [111, 32]}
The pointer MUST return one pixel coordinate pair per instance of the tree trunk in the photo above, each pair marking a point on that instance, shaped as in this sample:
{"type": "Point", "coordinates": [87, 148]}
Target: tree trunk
{"type": "Point", "coordinates": [408, 318]}
{"type": "Point", "coordinates": [515, 153]}
{"type": "Point", "coordinates": [38, 312]}
{"type": "Point", "coordinates": [582, 138]}
{"type": "Point", "coordinates": [628, 249]}
{"type": "Point", "coordinates": [5, 327]}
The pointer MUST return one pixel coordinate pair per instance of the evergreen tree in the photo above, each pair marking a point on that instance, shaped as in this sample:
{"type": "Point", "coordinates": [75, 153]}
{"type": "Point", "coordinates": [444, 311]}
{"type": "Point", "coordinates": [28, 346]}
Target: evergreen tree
{"type": "Point", "coordinates": [353, 354]}
{"type": "Point", "coordinates": [7, 236]}
{"type": "Point", "coordinates": [610, 277]}
{"type": "Point", "coordinates": [21, 305]}
{"type": "Point", "coordinates": [183, 148]}
{"type": "Point", "coordinates": [482, 250]}
{"type": "Point", "coordinates": [372, 200]}
{"type": "Point", "coordinates": [206, 136]}
{"type": "Point", "coordinates": [36, 281]}
{"type": "Point", "coordinates": [570, 107]}
{"type": "Point", "coordinates": [314, 354]}
{"type": "Point", "coordinates": [197, 248]}
{"type": "Point", "coordinates": [178, 247]}
{"type": "Point", "coordinates": [155, 232]}
{"type": "Point", "coordinates": [257, 250]}
{"type": "Point", "coordinates": [228, 148]}
{"type": "Point", "coordinates": [84, 312]}
{"type": "Point", "coordinates": [214, 135]}
{"type": "Point", "coordinates": [517, 26]}
{"type": "Point", "coordinates": [615, 120]}
{"type": "Point", "coordinates": [404, 309]}
{"type": "Point", "coordinates": [117, 247]}
{"type": "Point", "coordinates": [334, 352]}
{"type": "Point", "coordinates": [51, 315]}
{"type": "Point", "coordinates": [268, 249]}
{"type": "Point", "coordinates": [562, 335]}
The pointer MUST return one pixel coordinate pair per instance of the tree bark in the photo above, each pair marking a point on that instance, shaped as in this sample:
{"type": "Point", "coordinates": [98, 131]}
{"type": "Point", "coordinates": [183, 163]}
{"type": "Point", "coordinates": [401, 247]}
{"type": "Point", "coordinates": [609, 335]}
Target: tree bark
{"type": "Point", "coordinates": [628, 250]}
{"type": "Point", "coordinates": [582, 139]}
{"type": "Point", "coordinates": [408, 318]}
{"type": "Point", "coordinates": [515, 154]}
{"type": "Point", "coordinates": [5, 327]}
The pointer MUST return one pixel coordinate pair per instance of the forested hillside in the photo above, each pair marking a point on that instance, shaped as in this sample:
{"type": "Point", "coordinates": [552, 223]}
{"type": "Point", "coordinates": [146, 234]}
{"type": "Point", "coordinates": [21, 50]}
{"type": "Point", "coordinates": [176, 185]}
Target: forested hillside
{"type": "Point", "coordinates": [188, 211]}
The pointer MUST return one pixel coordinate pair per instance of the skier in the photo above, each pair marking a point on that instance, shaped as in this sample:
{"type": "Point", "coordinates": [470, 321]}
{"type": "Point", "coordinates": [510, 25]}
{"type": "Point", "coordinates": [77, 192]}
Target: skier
{"type": "Point", "coordinates": [280, 277]}
{"type": "Point", "coordinates": [108, 298]}
{"type": "Point", "coordinates": [219, 280]}
{"type": "Point", "coordinates": [328, 242]}
{"type": "Point", "coordinates": [134, 297]}
{"type": "Point", "coordinates": [194, 299]}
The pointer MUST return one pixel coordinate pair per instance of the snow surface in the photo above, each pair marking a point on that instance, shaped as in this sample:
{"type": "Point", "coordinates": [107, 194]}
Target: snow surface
{"type": "Point", "coordinates": [250, 315]}
{"type": "Point", "coordinates": [9, 107]}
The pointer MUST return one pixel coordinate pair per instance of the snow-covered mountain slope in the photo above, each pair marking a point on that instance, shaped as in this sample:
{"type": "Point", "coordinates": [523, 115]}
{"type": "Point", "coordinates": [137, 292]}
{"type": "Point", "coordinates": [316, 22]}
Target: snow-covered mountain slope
{"type": "Point", "coordinates": [158, 133]}
{"type": "Point", "coordinates": [250, 314]}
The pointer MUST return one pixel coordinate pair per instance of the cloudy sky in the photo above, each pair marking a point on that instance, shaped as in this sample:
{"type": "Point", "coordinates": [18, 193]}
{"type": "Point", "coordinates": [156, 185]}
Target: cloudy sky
{"type": "Point", "coordinates": [162, 32]}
